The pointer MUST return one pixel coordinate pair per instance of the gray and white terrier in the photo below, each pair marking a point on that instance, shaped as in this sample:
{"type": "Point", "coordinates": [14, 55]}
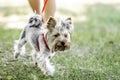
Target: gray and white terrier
{"type": "Point", "coordinates": [45, 39]}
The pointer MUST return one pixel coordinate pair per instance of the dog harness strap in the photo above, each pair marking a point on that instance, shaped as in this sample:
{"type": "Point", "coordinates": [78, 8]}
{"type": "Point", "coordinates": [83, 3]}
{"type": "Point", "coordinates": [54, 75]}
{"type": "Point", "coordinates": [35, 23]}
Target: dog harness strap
{"type": "Point", "coordinates": [45, 40]}
{"type": "Point", "coordinates": [43, 20]}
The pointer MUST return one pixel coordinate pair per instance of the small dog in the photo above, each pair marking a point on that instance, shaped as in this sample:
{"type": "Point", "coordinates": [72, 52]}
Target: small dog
{"type": "Point", "coordinates": [45, 39]}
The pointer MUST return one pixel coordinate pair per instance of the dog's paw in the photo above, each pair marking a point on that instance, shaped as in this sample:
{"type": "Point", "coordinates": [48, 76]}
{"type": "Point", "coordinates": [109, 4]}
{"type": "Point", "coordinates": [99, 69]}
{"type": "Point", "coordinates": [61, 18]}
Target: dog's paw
{"type": "Point", "coordinates": [16, 54]}
{"type": "Point", "coordinates": [49, 71]}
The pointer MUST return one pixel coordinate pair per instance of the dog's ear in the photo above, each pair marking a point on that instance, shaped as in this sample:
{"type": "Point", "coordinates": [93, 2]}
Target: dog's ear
{"type": "Point", "coordinates": [69, 20]}
{"type": "Point", "coordinates": [70, 26]}
{"type": "Point", "coordinates": [51, 23]}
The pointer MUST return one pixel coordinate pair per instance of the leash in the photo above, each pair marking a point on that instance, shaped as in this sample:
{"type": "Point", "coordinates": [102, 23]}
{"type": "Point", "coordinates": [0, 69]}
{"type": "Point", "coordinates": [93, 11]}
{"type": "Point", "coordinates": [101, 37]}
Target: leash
{"type": "Point", "coordinates": [43, 36]}
{"type": "Point", "coordinates": [43, 9]}
{"type": "Point", "coordinates": [44, 5]}
{"type": "Point", "coordinates": [44, 40]}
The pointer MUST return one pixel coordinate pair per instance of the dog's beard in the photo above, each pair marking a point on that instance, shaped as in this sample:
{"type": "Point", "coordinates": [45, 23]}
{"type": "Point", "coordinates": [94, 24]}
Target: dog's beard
{"type": "Point", "coordinates": [59, 47]}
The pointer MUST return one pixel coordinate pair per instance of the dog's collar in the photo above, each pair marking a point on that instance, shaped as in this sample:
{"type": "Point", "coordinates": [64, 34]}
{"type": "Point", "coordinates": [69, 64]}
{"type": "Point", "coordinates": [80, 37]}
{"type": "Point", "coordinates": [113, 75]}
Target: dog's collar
{"type": "Point", "coordinates": [44, 40]}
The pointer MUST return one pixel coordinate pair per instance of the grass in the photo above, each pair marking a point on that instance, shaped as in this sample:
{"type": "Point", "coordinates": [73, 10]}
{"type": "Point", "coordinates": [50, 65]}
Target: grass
{"type": "Point", "coordinates": [95, 52]}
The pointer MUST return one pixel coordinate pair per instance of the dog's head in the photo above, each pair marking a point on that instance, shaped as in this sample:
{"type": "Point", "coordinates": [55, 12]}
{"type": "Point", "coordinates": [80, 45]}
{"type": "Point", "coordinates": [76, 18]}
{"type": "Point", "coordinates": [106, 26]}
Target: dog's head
{"type": "Point", "coordinates": [59, 34]}
{"type": "Point", "coordinates": [35, 21]}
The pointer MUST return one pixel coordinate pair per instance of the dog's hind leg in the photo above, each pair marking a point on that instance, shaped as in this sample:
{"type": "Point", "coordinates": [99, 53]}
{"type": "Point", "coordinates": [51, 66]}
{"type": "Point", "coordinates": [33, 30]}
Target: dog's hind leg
{"type": "Point", "coordinates": [18, 45]}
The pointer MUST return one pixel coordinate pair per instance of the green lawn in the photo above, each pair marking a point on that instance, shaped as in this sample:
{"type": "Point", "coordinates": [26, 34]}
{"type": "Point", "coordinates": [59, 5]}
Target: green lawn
{"type": "Point", "coordinates": [95, 52]}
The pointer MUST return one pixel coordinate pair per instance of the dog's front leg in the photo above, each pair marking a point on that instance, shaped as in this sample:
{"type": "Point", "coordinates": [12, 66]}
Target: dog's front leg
{"type": "Point", "coordinates": [44, 64]}
{"type": "Point", "coordinates": [34, 56]}
{"type": "Point", "coordinates": [49, 68]}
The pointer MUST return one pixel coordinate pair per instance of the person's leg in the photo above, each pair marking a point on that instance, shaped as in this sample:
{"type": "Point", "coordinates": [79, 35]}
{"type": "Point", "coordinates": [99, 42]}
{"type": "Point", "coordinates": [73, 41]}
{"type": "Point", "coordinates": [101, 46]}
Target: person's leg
{"type": "Point", "coordinates": [50, 9]}
{"type": "Point", "coordinates": [35, 5]}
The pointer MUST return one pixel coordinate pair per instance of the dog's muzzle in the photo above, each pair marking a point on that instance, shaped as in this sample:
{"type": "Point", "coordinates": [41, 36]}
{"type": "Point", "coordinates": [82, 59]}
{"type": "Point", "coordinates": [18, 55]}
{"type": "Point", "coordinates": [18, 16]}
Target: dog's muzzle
{"type": "Point", "coordinates": [61, 46]}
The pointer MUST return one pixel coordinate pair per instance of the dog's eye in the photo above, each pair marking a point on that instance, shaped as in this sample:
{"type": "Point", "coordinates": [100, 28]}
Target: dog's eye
{"type": "Point", "coordinates": [65, 35]}
{"type": "Point", "coordinates": [56, 35]}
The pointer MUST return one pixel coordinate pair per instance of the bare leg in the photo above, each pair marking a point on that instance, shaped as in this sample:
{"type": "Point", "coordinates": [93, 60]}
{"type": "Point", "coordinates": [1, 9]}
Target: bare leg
{"type": "Point", "coordinates": [50, 9]}
{"type": "Point", "coordinates": [35, 5]}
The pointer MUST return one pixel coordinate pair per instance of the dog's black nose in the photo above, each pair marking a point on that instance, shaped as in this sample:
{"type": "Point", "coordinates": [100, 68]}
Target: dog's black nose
{"type": "Point", "coordinates": [62, 43]}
